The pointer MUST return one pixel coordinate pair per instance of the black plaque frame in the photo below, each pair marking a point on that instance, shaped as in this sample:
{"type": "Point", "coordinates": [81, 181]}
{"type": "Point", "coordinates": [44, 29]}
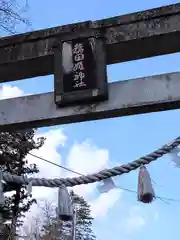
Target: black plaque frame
{"type": "Point", "coordinates": [100, 92]}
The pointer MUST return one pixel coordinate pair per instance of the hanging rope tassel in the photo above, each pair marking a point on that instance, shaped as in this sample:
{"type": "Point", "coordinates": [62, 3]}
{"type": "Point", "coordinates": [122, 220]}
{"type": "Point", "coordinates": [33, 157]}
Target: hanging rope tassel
{"type": "Point", "coordinates": [145, 190]}
{"type": "Point", "coordinates": [174, 156]}
{"type": "Point", "coordinates": [1, 189]}
{"type": "Point", "coordinates": [107, 185]}
{"type": "Point", "coordinates": [65, 208]}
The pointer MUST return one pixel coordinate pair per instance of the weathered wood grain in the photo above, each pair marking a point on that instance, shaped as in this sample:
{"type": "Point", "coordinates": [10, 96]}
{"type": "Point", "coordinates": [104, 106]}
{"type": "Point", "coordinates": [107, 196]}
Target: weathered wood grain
{"type": "Point", "coordinates": [149, 94]}
{"type": "Point", "coordinates": [128, 37]}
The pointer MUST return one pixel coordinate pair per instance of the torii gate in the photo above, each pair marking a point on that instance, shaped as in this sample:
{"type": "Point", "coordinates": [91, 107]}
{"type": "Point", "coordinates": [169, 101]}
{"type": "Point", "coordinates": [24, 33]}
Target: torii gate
{"type": "Point", "coordinates": [127, 37]}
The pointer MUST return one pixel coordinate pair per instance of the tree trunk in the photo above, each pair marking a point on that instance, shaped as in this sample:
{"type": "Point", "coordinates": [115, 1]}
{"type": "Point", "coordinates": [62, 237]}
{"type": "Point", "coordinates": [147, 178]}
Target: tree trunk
{"type": "Point", "coordinates": [15, 214]}
{"type": "Point", "coordinates": [1, 225]}
{"type": "Point", "coordinates": [13, 228]}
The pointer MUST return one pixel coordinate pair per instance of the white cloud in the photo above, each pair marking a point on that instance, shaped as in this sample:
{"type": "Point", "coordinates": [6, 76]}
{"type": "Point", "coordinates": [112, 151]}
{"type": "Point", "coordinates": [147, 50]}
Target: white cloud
{"type": "Point", "coordinates": [83, 157]}
{"type": "Point", "coordinates": [86, 158]}
{"type": "Point", "coordinates": [7, 91]}
{"type": "Point", "coordinates": [139, 217]}
{"type": "Point", "coordinates": [49, 151]}
{"type": "Point", "coordinates": [104, 203]}
{"type": "Point", "coordinates": [135, 221]}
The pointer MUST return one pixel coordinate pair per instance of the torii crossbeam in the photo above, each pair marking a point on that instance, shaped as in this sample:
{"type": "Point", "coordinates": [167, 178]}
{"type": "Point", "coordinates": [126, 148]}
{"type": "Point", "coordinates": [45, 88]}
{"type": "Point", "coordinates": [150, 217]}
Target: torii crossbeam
{"type": "Point", "coordinates": [126, 38]}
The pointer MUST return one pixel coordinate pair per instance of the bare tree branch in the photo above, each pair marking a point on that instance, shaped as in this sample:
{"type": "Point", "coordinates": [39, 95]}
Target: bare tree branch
{"type": "Point", "coordinates": [11, 15]}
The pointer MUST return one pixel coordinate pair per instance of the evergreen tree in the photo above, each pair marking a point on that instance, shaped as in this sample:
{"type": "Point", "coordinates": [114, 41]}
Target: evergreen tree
{"type": "Point", "coordinates": [55, 229]}
{"type": "Point", "coordinates": [14, 147]}
{"type": "Point", "coordinates": [83, 218]}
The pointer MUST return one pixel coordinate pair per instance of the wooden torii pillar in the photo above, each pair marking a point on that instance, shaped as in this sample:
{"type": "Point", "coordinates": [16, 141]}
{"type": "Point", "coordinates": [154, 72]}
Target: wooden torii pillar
{"type": "Point", "coordinates": [127, 37]}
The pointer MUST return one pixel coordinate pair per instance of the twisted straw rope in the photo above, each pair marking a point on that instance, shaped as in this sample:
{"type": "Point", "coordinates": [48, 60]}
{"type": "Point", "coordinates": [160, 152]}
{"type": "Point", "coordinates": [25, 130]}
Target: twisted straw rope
{"type": "Point", "coordinates": [91, 178]}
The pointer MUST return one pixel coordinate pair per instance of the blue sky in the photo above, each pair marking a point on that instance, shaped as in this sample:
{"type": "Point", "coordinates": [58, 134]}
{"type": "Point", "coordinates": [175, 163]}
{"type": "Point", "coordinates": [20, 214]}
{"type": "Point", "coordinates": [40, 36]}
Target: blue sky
{"type": "Point", "coordinates": [125, 138]}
